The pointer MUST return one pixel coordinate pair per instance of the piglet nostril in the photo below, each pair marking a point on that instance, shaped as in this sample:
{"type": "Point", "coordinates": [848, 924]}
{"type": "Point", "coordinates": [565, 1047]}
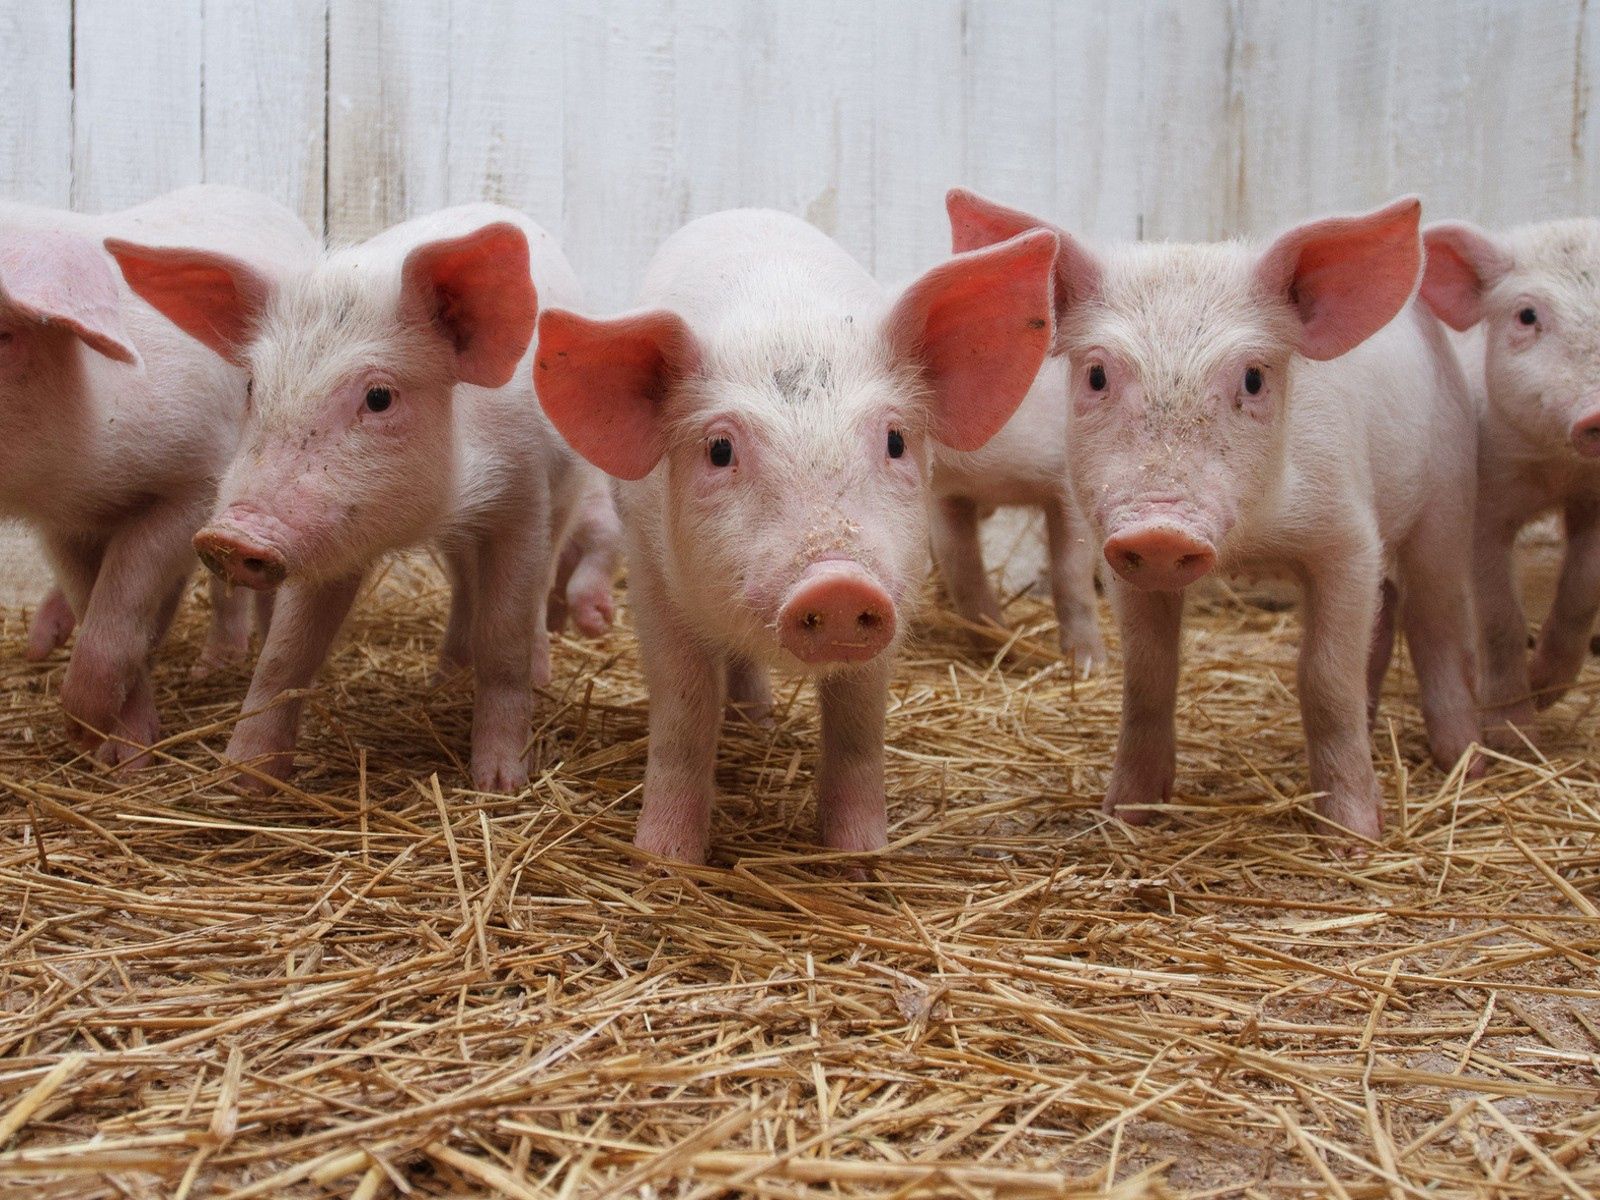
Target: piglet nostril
{"type": "Point", "coordinates": [868, 619]}
{"type": "Point", "coordinates": [255, 564]}
{"type": "Point", "coordinates": [1131, 560]}
{"type": "Point", "coordinates": [812, 620]}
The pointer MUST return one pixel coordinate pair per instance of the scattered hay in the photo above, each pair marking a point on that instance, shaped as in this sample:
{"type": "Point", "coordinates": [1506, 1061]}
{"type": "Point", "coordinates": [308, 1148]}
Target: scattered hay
{"type": "Point", "coordinates": [380, 983]}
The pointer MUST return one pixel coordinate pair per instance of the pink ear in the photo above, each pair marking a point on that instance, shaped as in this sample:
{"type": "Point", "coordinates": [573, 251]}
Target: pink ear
{"type": "Point", "coordinates": [1463, 264]}
{"type": "Point", "coordinates": [1347, 277]}
{"type": "Point", "coordinates": [603, 383]}
{"type": "Point", "coordinates": [213, 298]}
{"type": "Point", "coordinates": [976, 222]}
{"type": "Point", "coordinates": [476, 289]}
{"type": "Point", "coordinates": [64, 280]}
{"type": "Point", "coordinates": [978, 326]}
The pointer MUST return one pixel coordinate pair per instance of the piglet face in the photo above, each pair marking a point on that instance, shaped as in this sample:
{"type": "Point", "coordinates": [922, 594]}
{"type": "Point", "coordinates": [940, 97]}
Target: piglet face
{"type": "Point", "coordinates": [1177, 391]}
{"type": "Point", "coordinates": [354, 368]}
{"type": "Point", "coordinates": [347, 450]}
{"type": "Point", "coordinates": [1182, 364]}
{"type": "Point", "coordinates": [795, 507]}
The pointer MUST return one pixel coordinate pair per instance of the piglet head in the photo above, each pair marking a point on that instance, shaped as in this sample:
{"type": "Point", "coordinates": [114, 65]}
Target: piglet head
{"type": "Point", "coordinates": [354, 367]}
{"type": "Point", "coordinates": [795, 449]}
{"type": "Point", "coordinates": [1182, 363]}
{"type": "Point", "coordinates": [1536, 294]}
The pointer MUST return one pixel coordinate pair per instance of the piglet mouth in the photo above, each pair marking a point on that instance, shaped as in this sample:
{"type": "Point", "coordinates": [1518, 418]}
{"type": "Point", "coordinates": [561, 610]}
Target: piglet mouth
{"type": "Point", "coordinates": [836, 613]}
{"type": "Point", "coordinates": [237, 548]}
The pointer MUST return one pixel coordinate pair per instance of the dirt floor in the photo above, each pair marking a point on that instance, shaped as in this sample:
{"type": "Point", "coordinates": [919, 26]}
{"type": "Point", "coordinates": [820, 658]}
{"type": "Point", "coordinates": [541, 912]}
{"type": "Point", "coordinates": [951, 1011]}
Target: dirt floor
{"type": "Point", "coordinates": [378, 983]}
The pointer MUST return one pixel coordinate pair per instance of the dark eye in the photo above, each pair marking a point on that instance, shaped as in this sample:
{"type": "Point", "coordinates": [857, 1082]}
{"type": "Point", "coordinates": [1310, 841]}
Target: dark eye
{"type": "Point", "coordinates": [721, 452]}
{"type": "Point", "coordinates": [1528, 316]}
{"type": "Point", "coordinates": [897, 443]}
{"type": "Point", "coordinates": [1097, 378]}
{"type": "Point", "coordinates": [249, 388]}
{"type": "Point", "coordinates": [1253, 381]}
{"type": "Point", "coordinates": [378, 399]}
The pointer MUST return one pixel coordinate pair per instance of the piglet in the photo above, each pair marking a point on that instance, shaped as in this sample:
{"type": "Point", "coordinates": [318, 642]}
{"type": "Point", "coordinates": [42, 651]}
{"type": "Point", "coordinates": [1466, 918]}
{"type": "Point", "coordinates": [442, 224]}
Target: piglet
{"type": "Point", "coordinates": [772, 418]}
{"type": "Point", "coordinates": [1283, 410]}
{"type": "Point", "coordinates": [117, 429]}
{"type": "Point", "coordinates": [391, 406]}
{"type": "Point", "coordinates": [1528, 305]}
{"type": "Point", "coordinates": [1024, 465]}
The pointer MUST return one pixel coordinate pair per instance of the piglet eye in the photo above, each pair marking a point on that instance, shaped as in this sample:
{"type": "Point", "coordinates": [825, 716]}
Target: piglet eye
{"type": "Point", "coordinates": [1253, 381]}
{"type": "Point", "coordinates": [1528, 316]}
{"type": "Point", "coordinates": [379, 399]}
{"type": "Point", "coordinates": [721, 452]}
{"type": "Point", "coordinates": [1097, 378]}
{"type": "Point", "coordinates": [897, 443]}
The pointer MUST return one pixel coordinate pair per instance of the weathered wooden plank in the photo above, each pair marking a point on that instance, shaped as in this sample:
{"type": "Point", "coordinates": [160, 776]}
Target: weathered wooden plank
{"type": "Point", "coordinates": [36, 98]}
{"type": "Point", "coordinates": [265, 99]}
{"type": "Point", "coordinates": [136, 119]}
{"type": "Point", "coordinates": [507, 111]}
{"type": "Point", "coordinates": [622, 191]}
{"type": "Point", "coordinates": [388, 112]}
{"type": "Point", "coordinates": [919, 131]}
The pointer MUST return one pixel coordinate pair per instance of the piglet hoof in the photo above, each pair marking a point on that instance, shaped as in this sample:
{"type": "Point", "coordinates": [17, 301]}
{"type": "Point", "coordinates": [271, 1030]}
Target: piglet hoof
{"type": "Point", "coordinates": [1504, 728]}
{"type": "Point", "coordinates": [861, 832]}
{"type": "Point", "coordinates": [1550, 675]}
{"type": "Point", "coordinates": [502, 774]}
{"type": "Point", "coordinates": [592, 615]}
{"type": "Point", "coordinates": [52, 626]}
{"type": "Point", "coordinates": [1359, 812]}
{"type": "Point", "coordinates": [137, 728]}
{"type": "Point", "coordinates": [219, 658]}
{"type": "Point", "coordinates": [1131, 794]}
{"type": "Point", "coordinates": [266, 763]}
{"type": "Point", "coordinates": [665, 832]}
{"type": "Point", "coordinates": [1083, 650]}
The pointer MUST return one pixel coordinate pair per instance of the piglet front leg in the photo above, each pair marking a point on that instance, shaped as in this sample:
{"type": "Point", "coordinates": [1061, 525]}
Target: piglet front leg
{"type": "Point", "coordinates": [304, 623]}
{"type": "Point", "coordinates": [1341, 602]}
{"type": "Point", "coordinates": [1147, 754]}
{"type": "Point", "coordinates": [686, 698]}
{"type": "Point", "coordinates": [1503, 627]}
{"type": "Point", "coordinates": [1564, 638]}
{"type": "Point", "coordinates": [507, 632]}
{"type": "Point", "coordinates": [850, 792]}
{"type": "Point", "coordinates": [228, 641]}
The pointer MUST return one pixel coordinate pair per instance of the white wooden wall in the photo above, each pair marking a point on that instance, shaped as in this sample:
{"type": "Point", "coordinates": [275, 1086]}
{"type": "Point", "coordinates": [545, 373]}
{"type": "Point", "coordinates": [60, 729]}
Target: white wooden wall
{"type": "Point", "coordinates": [613, 121]}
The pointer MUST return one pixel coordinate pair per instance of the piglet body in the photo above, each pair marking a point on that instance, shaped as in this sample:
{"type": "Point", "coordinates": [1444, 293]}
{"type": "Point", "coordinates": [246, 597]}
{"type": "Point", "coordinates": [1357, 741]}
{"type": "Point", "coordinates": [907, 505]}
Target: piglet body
{"type": "Point", "coordinates": [117, 429]}
{"type": "Point", "coordinates": [1285, 411]}
{"type": "Point", "coordinates": [1528, 308]}
{"type": "Point", "coordinates": [770, 417]}
{"type": "Point", "coordinates": [392, 406]}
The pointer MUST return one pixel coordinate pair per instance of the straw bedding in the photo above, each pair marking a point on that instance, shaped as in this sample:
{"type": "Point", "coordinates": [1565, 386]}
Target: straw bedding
{"type": "Point", "coordinates": [377, 983]}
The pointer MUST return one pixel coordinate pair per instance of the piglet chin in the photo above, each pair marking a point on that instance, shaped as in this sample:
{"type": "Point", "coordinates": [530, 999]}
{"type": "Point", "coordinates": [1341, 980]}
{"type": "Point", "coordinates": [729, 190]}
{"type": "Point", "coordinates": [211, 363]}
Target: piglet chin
{"type": "Point", "coordinates": [836, 613]}
{"type": "Point", "coordinates": [244, 547]}
{"type": "Point", "coordinates": [1160, 556]}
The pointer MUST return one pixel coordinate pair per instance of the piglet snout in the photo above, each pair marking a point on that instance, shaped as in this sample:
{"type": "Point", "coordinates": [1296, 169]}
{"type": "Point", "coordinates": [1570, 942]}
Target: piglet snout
{"type": "Point", "coordinates": [239, 558]}
{"type": "Point", "coordinates": [1586, 434]}
{"type": "Point", "coordinates": [1159, 558]}
{"type": "Point", "coordinates": [836, 613]}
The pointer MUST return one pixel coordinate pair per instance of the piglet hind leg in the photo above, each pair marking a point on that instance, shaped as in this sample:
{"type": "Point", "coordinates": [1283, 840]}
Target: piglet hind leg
{"type": "Point", "coordinates": [1381, 651]}
{"type": "Point", "coordinates": [1072, 564]}
{"type": "Point", "coordinates": [1564, 639]}
{"type": "Point", "coordinates": [953, 531]}
{"type": "Point", "coordinates": [106, 693]}
{"type": "Point", "coordinates": [685, 682]}
{"type": "Point", "coordinates": [850, 792]}
{"type": "Point", "coordinates": [749, 691]}
{"type": "Point", "coordinates": [228, 639]}
{"type": "Point", "coordinates": [51, 626]}
{"type": "Point", "coordinates": [305, 621]}
{"type": "Point", "coordinates": [1341, 602]}
{"type": "Point", "coordinates": [1437, 613]}
{"type": "Point", "coordinates": [455, 651]}
{"type": "Point", "coordinates": [1503, 629]}
{"type": "Point", "coordinates": [1145, 766]}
